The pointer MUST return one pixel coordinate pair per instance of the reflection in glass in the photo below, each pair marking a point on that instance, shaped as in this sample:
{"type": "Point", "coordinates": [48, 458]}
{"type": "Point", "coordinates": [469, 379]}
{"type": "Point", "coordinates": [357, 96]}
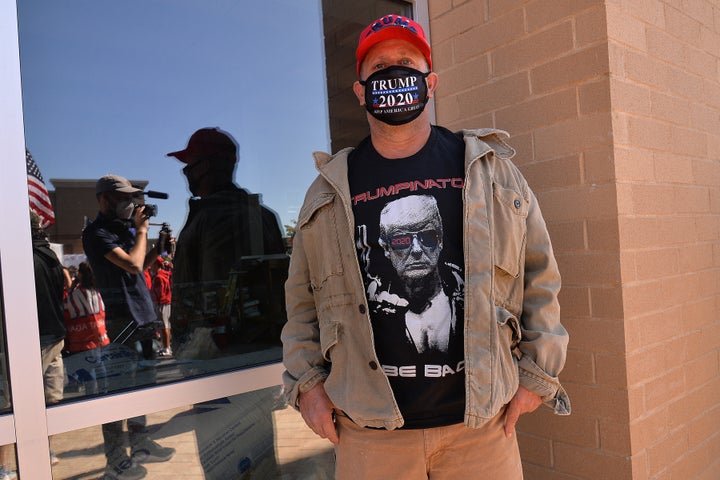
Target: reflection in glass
{"type": "Point", "coordinates": [8, 462]}
{"type": "Point", "coordinates": [113, 90]}
{"type": "Point", "coordinates": [253, 435]}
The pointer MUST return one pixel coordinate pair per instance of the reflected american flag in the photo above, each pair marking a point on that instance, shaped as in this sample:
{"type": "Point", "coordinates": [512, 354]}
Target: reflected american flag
{"type": "Point", "coordinates": [38, 194]}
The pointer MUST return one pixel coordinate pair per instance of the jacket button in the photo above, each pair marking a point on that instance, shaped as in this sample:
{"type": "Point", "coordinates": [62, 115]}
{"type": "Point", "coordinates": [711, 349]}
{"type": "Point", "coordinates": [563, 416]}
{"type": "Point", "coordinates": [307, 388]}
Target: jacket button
{"type": "Point", "coordinates": [362, 308]}
{"type": "Point", "coordinates": [373, 365]}
{"type": "Point", "coordinates": [517, 203]}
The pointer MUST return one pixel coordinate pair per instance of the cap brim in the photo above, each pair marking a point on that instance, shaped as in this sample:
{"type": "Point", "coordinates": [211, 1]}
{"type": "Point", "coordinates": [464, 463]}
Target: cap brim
{"type": "Point", "coordinates": [180, 155]}
{"type": "Point", "coordinates": [127, 190]}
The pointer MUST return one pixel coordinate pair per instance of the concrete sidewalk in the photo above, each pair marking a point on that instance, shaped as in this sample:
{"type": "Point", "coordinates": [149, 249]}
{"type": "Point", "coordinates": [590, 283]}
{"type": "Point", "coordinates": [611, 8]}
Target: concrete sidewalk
{"type": "Point", "coordinates": [299, 452]}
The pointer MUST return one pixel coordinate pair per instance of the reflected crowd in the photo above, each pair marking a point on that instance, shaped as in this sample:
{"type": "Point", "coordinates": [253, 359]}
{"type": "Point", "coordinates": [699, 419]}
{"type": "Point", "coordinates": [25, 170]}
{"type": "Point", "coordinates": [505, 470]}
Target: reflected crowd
{"type": "Point", "coordinates": [135, 312]}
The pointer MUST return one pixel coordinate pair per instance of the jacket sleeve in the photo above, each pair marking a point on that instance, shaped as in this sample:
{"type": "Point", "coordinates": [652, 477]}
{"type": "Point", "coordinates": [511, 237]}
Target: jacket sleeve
{"type": "Point", "coordinates": [544, 340]}
{"type": "Point", "coordinates": [304, 363]}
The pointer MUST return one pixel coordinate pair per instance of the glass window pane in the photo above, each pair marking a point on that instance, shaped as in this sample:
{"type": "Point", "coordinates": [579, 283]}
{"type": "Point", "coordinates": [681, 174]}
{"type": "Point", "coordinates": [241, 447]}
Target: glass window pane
{"type": "Point", "coordinates": [253, 435]}
{"type": "Point", "coordinates": [5, 401]}
{"type": "Point", "coordinates": [123, 89]}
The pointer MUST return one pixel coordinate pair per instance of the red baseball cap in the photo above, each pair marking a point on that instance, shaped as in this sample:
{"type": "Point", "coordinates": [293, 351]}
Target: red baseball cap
{"type": "Point", "coordinates": [392, 27]}
{"type": "Point", "coordinates": [208, 142]}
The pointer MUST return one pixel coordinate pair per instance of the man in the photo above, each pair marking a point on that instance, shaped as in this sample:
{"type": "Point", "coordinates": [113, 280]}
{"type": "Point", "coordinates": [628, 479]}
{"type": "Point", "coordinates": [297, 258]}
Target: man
{"type": "Point", "coordinates": [161, 289]}
{"type": "Point", "coordinates": [49, 293]}
{"type": "Point", "coordinates": [49, 290]}
{"type": "Point", "coordinates": [115, 244]}
{"type": "Point", "coordinates": [418, 417]}
{"type": "Point", "coordinates": [224, 224]}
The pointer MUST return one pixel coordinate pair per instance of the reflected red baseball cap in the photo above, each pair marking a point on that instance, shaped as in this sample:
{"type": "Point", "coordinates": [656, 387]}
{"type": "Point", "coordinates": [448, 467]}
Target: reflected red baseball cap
{"type": "Point", "coordinates": [208, 142]}
{"type": "Point", "coordinates": [392, 27]}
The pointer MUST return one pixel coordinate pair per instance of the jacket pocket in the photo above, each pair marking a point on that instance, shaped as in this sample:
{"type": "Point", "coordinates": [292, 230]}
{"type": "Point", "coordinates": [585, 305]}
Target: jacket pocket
{"type": "Point", "coordinates": [328, 338]}
{"type": "Point", "coordinates": [506, 355]}
{"type": "Point", "coordinates": [318, 226]}
{"type": "Point", "coordinates": [510, 211]}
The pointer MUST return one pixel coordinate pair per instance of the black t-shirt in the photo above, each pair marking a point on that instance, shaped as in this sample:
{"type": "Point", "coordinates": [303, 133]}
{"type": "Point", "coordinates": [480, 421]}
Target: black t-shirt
{"type": "Point", "coordinates": [408, 233]}
{"type": "Point", "coordinates": [126, 295]}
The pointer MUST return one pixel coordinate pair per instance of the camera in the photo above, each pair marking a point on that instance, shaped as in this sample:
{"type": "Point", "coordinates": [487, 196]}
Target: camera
{"type": "Point", "coordinates": [150, 209]}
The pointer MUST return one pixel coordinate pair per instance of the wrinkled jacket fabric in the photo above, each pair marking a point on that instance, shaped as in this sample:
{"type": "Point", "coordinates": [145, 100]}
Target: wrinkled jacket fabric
{"type": "Point", "coordinates": [512, 324]}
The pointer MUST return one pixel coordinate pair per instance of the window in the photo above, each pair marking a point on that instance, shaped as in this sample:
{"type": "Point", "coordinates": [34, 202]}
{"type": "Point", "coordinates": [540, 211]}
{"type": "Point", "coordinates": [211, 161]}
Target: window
{"type": "Point", "coordinates": [112, 89]}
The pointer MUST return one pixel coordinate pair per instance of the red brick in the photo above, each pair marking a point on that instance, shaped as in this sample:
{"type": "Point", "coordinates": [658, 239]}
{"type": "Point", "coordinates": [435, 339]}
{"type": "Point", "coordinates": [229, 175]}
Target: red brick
{"type": "Point", "coordinates": [607, 302]}
{"type": "Point", "coordinates": [465, 75]}
{"type": "Point", "coordinates": [656, 263]}
{"type": "Point", "coordinates": [532, 50]}
{"type": "Point", "coordinates": [587, 463]}
{"type": "Point", "coordinates": [615, 438]}
{"type": "Point", "coordinates": [567, 237]}
{"type": "Point", "coordinates": [649, 133]}
{"type": "Point", "coordinates": [537, 472]}
{"type": "Point", "coordinates": [625, 29]}
{"type": "Point", "coordinates": [574, 302]}
{"type": "Point", "coordinates": [497, 8]}
{"type": "Point", "coordinates": [710, 41]}
{"type": "Point", "coordinates": [579, 367]}
{"type": "Point", "coordinates": [661, 44]}
{"type": "Point", "coordinates": [630, 97]}
{"type": "Point", "coordinates": [661, 391]}
{"type": "Point", "coordinates": [650, 11]}
{"type": "Point", "coordinates": [599, 165]}
{"type": "Point", "coordinates": [595, 96]}
{"type": "Point", "coordinates": [682, 26]}
{"type": "Point", "coordinates": [694, 257]}
{"type": "Point", "coordinates": [659, 326]}
{"type": "Point", "coordinates": [537, 451]}
{"type": "Point", "coordinates": [546, 12]}
{"type": "Point", "coordinates": [536, 112]}
{"type": "Point", "coordinates": [671, 168]}
{"type": "Point", "coordinates": [458, 20]}
{"type": "Point", "coordinates": [494, 95]}
{"type": "Point", "coordinates": [634, 164]}
{"type": "Point", "coordinates": [604, 336]}
{"type": "Point", "coordinates": [648, 429]}
{"type": "Point", "coordinates": [438, 7]}
{"type": "Point", "coordinates": [486, 36]}
{"type": "Point", "coordinates": [558, 172]}
{"type": "Point", "coordinates": [591, 26]}
{"type": "Point", "coordinates": [705, 119]}
{"type": "Point", "coordinates": [571, 69]}
{"type": "Point", "coordinates": [686, 141]}
{"type": "Point", "coordinates": [611, 370]}
{"type": "Point", "coordinates": [575, 429]}
{"type": "Point", "coordinates": [701, 370]}
{"type": "Point", "coordinates": [523, 145]}
{"type": "Point", "coordinates": [700, 10]}
{"type": "Point", "coordinates": [645, 70]}
{"type": "Point", "coordinates": [590, 269]}
{"type": "Point", "coordinates": [565, 138]}
{"type": "Point", "coordinates": [666, 450]}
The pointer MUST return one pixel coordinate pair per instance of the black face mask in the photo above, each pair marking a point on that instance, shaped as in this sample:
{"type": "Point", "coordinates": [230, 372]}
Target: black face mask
{"type": "Point", "coordinates": [396, 95]}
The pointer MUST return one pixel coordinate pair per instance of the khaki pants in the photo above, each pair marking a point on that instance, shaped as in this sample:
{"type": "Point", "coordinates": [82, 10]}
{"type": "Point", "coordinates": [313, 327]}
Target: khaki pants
{"type": "Point", "coordinates": [53, 371]}
{"type": "Point", "coordinates": [443, 453]}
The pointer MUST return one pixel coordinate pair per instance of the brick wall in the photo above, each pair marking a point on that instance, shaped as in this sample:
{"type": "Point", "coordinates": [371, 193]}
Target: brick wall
{"type": "Point", "coordinates": [614, 108]}
{"type": "Point", "coordinates": [665, 94]}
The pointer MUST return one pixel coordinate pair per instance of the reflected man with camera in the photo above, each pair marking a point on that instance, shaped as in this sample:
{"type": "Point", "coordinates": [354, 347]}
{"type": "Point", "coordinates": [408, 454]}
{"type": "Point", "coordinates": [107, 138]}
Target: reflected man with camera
{"type": "Point", "coordinates": [115, 244]}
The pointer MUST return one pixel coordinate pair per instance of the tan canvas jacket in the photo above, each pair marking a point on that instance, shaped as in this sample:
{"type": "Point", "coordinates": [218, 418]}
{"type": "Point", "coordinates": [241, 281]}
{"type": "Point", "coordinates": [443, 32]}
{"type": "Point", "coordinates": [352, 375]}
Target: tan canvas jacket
{"type": "Point", "coordinates": [512, 316]}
